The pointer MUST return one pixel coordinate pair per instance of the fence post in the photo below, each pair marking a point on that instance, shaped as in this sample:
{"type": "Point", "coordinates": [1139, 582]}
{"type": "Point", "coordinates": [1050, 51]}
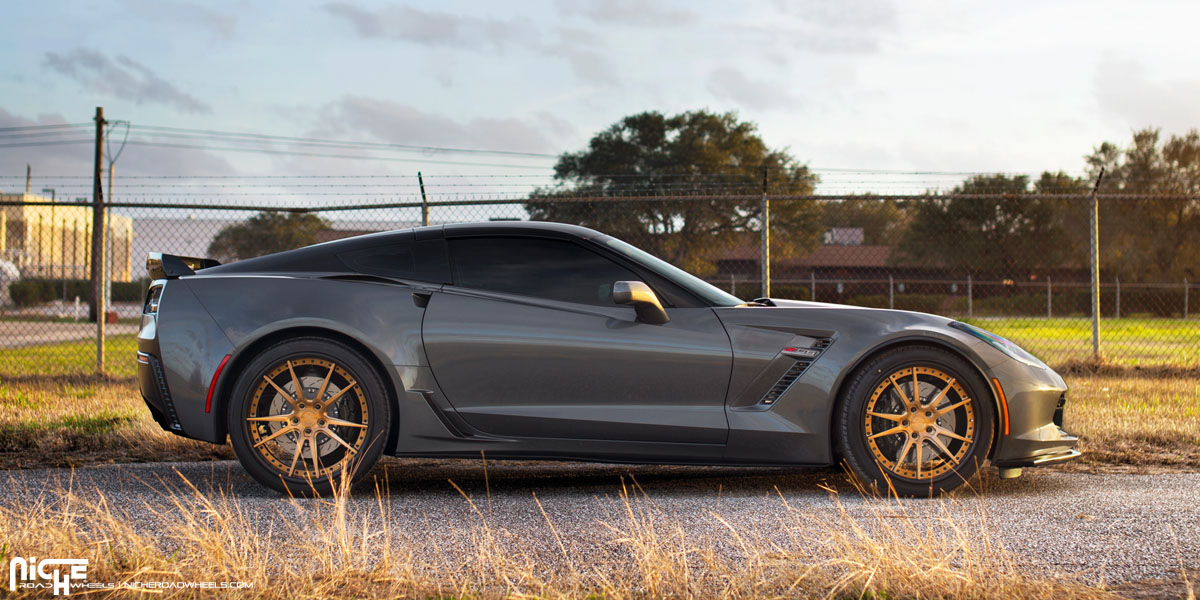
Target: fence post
{"type": "Point", "coordinates": [1049, 299]}
{"type": "Point", "coordinates": [732, 284]}
{"type": "Point", "coordinates": [424, 202]}
{"type": "Point", "coordinates": [98, 242]}
{"type": "Point", "coordinates": [1118, 290]}
{"type": "Point", "coordinates": [891, 299]}
{"type": "Point", "coordinates": [1094, 257]}
{"type": "Point", "coordinates": [766, 238]}
{"type": "Point", "coordinates": [812, 286]}
{"type": "Point", "coordinates": [970, 299]}
{"type": "Point", "coordinates": [1185, 297]}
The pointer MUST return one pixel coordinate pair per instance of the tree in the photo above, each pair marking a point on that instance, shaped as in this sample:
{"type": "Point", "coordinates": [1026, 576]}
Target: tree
{"type": "Point", "coordinates": [696, 164]}
{"type": "Point", "coordinates": [1013, 232]}
{"type": "Point", "coordinates": [1151, 238]}
{"type": "Point", "coordinates": [264, 233]}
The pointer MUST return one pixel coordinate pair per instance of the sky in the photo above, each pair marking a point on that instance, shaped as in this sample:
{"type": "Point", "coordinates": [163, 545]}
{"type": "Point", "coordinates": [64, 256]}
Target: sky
{"type": "Point", "coordinates": [854, 84]}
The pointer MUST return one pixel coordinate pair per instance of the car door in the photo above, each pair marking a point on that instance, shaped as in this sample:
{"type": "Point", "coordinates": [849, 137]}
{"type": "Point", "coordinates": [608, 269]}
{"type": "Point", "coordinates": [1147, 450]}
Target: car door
{"type": "Point", "coordinates": [528, 343]}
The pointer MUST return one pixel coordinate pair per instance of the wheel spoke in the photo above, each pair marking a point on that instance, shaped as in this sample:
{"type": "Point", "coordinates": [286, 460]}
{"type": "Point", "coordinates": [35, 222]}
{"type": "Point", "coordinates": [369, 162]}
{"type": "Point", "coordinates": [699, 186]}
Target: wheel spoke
{"type": "Point", "coordinates": [892, 431]}
{"type": "Point", "coordinates": [888, 416]}
{"type": "Point", "coordinates": [325, 407]}
{"type": "Point", "coordinates": [951, 434]}
{"type": "Point", "coordinates": [325, 384]}
{"type": "Point", "coordinates": [341, 423]}
{"type": "Point", "coordinates": [315, 461]}
{"type": "Point", "coordinates": [296, 382]}
{"type": "Point", "coordinates": [899, 390]}
{"type": "Point", "coordinates": [337, 438]}
{"type": "Point", "coordinates": [282, 392]}
{"type": "Point", "coordinates": [920, 446]}
{"type": "Point", "coordinates": [296, 456]}
{"type": "Point", "coordinates": [271, 419]}
{"type": "Point", "coordinates": [941, 446]}
{"type": "Point", "coordinates": [274, 435]}
{"type": "Point", "coordinates": [908, 443]}
{"type": "Point", "coordinates": [916, 388]}
{"type": "Point", "coordinates": [942, 394]}
{"type": "Point", "coordinates": [941, 411]}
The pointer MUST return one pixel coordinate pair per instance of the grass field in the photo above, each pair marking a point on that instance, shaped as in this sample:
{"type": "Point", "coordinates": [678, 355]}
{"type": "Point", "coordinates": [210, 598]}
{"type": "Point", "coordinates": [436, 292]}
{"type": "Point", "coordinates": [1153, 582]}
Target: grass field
{"type": "Point", "coordinates": [1123, 342]}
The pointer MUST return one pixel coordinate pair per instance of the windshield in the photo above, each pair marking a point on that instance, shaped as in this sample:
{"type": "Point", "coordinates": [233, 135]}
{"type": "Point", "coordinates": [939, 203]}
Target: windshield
{"type": "Point", "coordinates": [710, 293]}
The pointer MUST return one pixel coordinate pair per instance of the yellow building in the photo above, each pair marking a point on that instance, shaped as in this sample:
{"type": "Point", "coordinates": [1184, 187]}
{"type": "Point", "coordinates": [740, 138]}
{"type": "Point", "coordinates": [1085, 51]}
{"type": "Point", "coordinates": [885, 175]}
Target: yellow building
{"type": "Point", "coordinates": [55, 242]}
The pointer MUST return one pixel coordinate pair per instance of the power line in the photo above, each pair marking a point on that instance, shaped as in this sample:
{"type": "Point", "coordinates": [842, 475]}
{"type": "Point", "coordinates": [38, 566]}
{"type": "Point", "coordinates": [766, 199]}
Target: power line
{"type": "Point", "coordinates": [308, 140]}
{"type": "Point", "coordinates": [45, 127]}
{"type": "Point", "coordinates": [324, 155]}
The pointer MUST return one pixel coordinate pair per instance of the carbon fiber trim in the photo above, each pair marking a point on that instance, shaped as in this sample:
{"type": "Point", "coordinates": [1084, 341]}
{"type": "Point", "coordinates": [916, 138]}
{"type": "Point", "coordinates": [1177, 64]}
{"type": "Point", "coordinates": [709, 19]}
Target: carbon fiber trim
{"type": "Point", "coordinates": [161, 380]}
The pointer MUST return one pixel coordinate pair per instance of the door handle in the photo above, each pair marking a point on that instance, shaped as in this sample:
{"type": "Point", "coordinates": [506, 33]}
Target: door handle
{"type": "Point", "coordinates": [421, 299]}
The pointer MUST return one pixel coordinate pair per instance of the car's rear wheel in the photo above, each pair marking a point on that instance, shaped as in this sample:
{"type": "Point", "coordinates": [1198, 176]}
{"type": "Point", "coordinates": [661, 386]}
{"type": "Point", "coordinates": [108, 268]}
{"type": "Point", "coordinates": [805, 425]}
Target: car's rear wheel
{"type": "Point", "coordinates": [305, 414]}
{"type": "Point", "coordinates": [916, 420]}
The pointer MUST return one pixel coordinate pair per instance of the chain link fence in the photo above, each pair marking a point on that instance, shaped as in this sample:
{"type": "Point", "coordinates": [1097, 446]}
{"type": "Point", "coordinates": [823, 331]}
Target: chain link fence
{"type": "Point", "coordinates": [1016, 264]}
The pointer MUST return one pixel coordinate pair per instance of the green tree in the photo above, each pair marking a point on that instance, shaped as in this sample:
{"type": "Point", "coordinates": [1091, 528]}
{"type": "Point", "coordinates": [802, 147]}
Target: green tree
{"type": "Point", "coordinates": [698, 164]}
{"type": "Point", "coordinates": [264, 233]}
{"type": "Point", "coordinates": [1014, 233]}
{"type": "Point", "coordinates": [1151, 238]}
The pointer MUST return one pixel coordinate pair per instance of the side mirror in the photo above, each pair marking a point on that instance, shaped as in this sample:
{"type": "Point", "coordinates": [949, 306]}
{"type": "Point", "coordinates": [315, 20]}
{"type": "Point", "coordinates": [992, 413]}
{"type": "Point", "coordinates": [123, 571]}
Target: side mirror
{"type": "Point", "coordinates": [649, 309]}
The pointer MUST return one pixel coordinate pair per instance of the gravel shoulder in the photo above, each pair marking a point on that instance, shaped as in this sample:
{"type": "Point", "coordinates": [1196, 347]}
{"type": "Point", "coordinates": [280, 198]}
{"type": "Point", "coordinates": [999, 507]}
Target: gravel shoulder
{"type": "Point", "coordinates": [1102, 527]}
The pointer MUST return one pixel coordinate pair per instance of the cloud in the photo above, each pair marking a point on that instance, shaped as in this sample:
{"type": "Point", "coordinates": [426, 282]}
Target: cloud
{"type": "Point", "coordinates": [635, 13]}
{"type": "Point", "coordinates": [124, 78]}
{"type": "Point", "coordinates": [221, 25]}
{"type": "Point", "coordinates": [1123, 89]}
{"type": "Point", "coordinates": [433, 28]}
{"type": "Point", "coordinates": [362, 117]}
{"type": "Point", "coordinates": [823, 27]}
{"type": "Point", "coordinates": [728, 83]}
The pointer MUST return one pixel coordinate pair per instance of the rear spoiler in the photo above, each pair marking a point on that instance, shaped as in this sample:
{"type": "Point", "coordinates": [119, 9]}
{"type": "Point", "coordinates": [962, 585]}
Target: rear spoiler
{"type": "Point", "coordinates": [169, 266]}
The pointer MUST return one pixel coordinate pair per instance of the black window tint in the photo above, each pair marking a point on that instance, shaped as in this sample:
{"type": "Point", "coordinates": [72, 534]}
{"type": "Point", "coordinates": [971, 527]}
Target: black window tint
{"type": "Point", "coordinates": [395, 260]}
{"type": "Point", "coordinates": [543, 268]}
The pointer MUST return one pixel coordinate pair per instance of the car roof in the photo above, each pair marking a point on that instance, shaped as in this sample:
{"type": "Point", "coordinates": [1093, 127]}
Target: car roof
{"type": "Point", "coordinates": [321, 257]}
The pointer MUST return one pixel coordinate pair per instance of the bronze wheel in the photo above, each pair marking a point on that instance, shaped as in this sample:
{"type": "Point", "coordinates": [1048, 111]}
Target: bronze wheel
{"type": "Point", "coordinates": [308, 403]}
{"type": "Point", "coordinates": [306, 412]}
{"type": "Point", "coordinates": [919, 423]}
{"type": "Point", "coordinates": [915, 420]}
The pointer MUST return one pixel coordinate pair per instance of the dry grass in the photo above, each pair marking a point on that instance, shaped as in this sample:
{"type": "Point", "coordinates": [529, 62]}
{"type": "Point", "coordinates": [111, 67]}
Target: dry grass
{"type": "Point", "coordinates": [1133, 423]}
{"type": "Point", "coordinates": [323, 552]}
{"type": "Point", "coordinates": [68, 421]}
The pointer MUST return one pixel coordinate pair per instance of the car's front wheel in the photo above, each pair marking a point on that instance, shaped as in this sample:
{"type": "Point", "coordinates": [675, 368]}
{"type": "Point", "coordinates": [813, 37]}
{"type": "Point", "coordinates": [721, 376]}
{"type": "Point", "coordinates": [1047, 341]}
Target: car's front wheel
{"type": "Point", "coordinates": [307, 412]}
{"type": "Point", "coordinates": [916, 420]}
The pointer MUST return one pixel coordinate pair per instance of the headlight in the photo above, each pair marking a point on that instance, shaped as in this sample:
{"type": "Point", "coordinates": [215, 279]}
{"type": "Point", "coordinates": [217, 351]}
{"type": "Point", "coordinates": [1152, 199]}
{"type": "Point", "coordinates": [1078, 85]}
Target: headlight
{"type": "Point", "coordinates": [1012, 350]}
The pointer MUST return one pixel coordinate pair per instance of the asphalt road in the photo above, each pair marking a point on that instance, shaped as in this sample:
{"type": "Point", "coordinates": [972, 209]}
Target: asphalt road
{"type": "Point", "coordinates": [1114, 527]}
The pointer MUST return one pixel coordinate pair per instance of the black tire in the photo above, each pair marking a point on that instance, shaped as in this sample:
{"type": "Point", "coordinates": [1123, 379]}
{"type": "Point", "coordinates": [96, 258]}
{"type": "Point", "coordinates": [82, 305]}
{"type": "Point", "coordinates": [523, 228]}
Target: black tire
{"type": "Point", "coordinates": [266, 428]}
{"type": "Point", "coordinates": [893, 462]}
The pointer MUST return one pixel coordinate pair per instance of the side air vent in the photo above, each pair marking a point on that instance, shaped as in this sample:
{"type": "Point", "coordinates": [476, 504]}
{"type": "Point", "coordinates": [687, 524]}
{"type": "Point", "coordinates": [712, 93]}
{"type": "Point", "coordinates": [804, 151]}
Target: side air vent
{"type": "Point", "coordinates": [803, 362]}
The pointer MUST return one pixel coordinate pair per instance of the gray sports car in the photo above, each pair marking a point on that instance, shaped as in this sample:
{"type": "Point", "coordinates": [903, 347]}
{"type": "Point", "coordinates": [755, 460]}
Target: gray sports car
{"type": "Point", "coordinates": [541, 340]}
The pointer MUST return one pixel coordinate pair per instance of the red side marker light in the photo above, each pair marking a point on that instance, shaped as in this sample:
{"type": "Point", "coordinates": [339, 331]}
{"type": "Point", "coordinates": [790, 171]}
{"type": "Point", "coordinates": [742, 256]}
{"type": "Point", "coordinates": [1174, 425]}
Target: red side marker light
{"type": "Point", "coordinates": [212, 386]}
{"type": "Point", "coordinates": [789, 349]}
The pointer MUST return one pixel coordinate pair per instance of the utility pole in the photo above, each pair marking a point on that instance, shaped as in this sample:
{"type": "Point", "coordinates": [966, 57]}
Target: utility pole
{"type": "Point", "coordinates": [108, 240]}
{"type": "Point", "coordinates": [1094, 256]}
{"type": "Point", "coordinates": [28, 177]}
{"type": "Point", "coordinates": [766, 238]}
{"type": "Point", "coordinates": [424, 202]}
{"type": "Point", "coordinates": [98, 270]}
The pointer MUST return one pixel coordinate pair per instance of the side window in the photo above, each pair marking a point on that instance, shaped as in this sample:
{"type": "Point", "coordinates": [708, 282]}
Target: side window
{"type": "Point", "coordinates": [395, 260]}
{"type": "Point", "coordinates": [422, 260]}
{"type": "Point", "coordinates": [543, 268]}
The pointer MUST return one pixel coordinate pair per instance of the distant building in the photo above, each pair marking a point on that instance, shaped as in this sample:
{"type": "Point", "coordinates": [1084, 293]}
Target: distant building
{"type": "Point", "coordinates": [54, 242]}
